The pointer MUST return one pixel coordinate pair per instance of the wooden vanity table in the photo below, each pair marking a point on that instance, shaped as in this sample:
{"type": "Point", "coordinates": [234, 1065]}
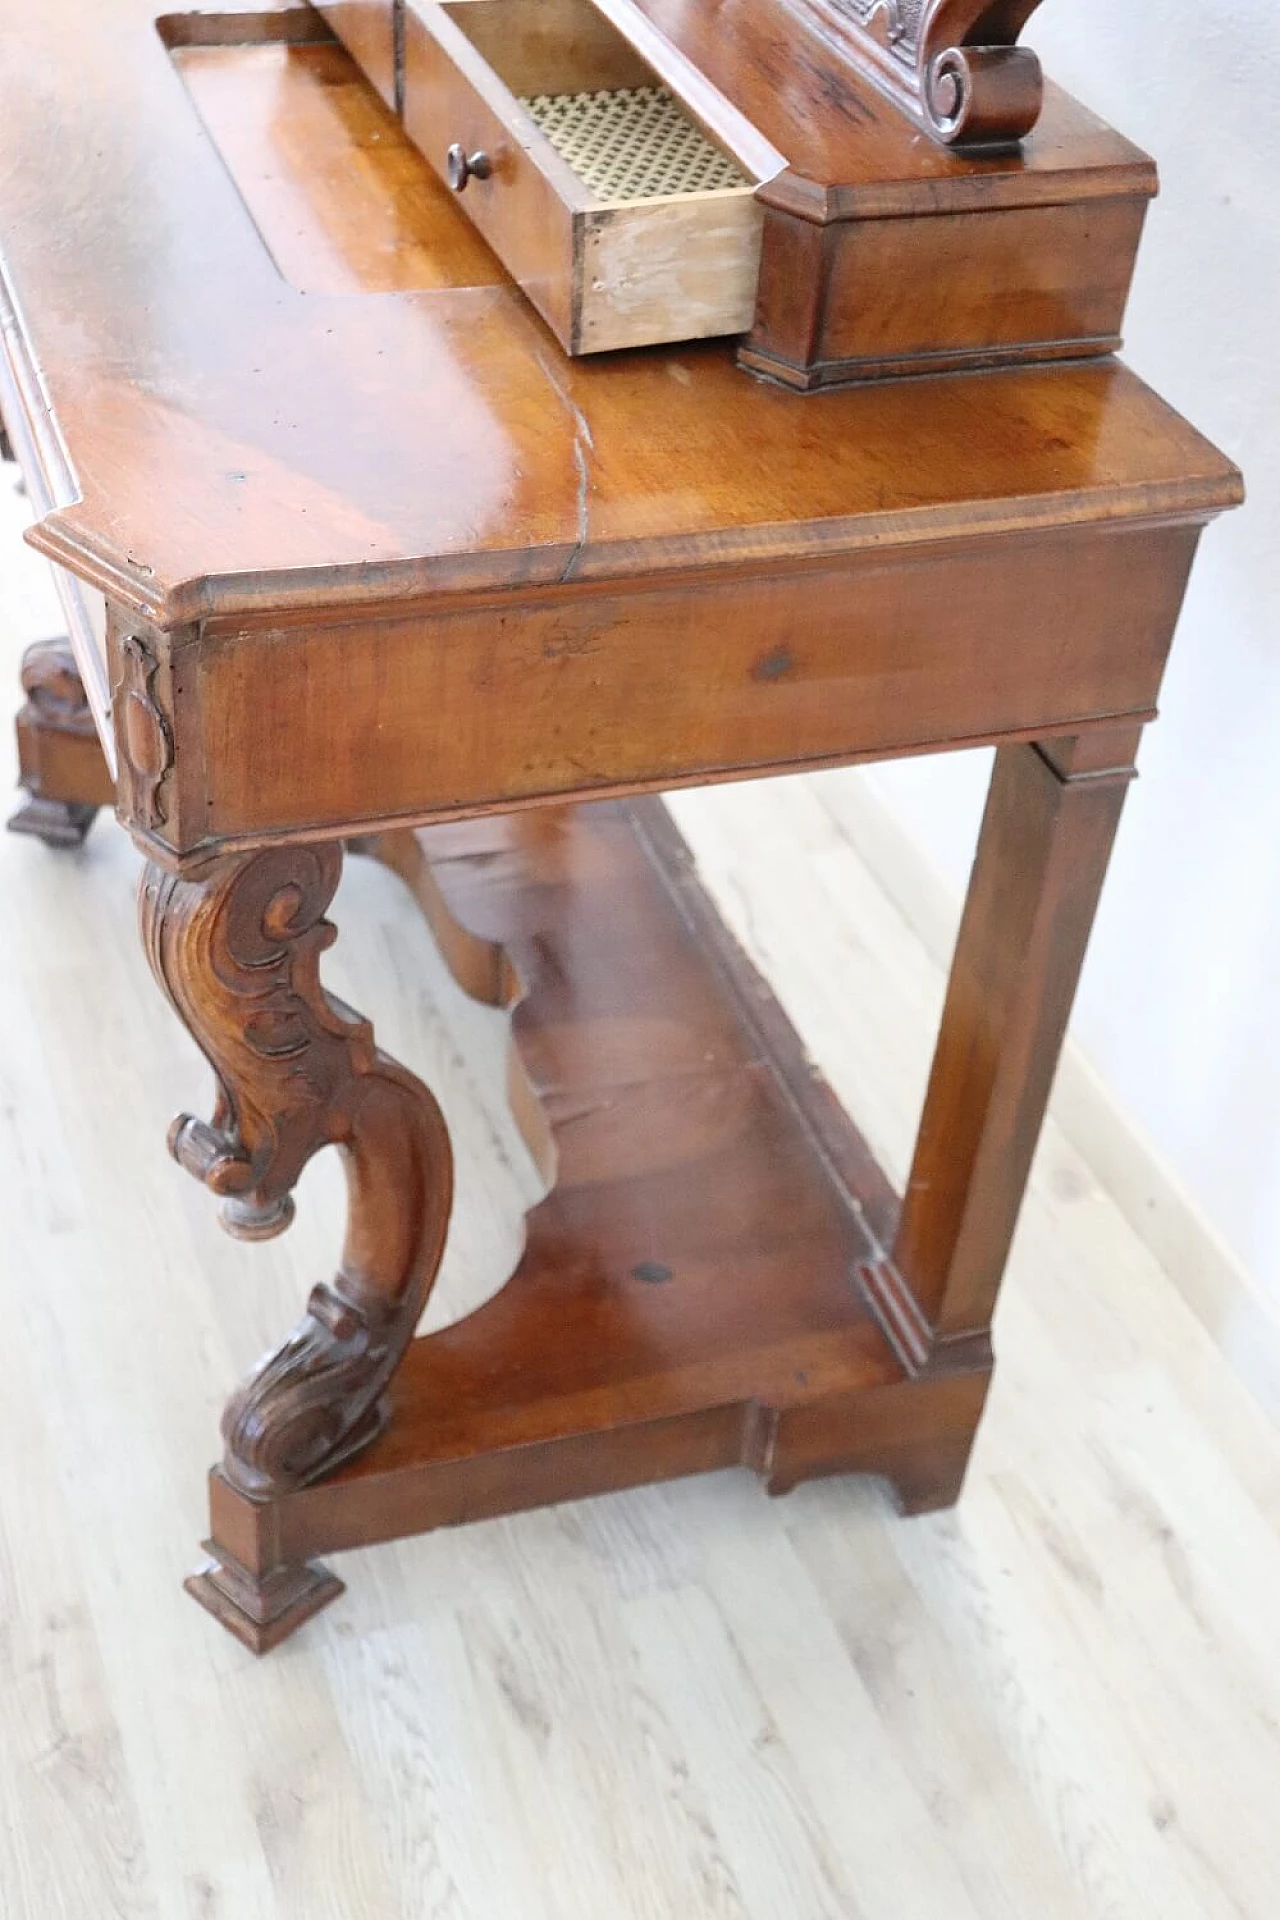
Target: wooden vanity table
{"type": "Point", "coordinates": [354, 554]}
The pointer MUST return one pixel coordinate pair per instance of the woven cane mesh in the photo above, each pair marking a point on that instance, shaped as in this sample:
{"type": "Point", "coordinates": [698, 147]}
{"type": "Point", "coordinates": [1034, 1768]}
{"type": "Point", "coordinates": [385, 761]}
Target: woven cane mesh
{"type": "Point", "coordinates": [635, 143]}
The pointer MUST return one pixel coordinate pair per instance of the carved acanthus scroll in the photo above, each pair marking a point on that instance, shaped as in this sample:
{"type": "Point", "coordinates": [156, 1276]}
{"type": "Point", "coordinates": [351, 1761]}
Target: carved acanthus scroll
{"type": "Point", "coordinates": [955, 64]}
{"type": "Point", "coordinates": [55, 692]}
{"type": "Point", "coordinates": [237, 949]}
{"type": "Point", "coordinates": [62, 772]}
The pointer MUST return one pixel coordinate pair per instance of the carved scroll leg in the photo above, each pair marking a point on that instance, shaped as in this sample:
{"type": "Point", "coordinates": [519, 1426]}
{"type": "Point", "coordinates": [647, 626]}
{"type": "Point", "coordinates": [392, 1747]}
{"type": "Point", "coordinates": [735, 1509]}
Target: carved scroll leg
{"type": "Point", "coordinates": [1046, 839]}
{"type": "Point", "coordinates": [61, 768]}
{"type": "Point", "coordinates": [236, 947]}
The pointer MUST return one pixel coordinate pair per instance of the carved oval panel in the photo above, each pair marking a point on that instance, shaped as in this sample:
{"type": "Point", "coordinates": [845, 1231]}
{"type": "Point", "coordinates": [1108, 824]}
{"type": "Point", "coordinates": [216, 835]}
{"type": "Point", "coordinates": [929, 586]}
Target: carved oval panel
{"type": "Point", "coordinates": [144, 736]}
{"type": "Point", "coordinates": [143, 732]}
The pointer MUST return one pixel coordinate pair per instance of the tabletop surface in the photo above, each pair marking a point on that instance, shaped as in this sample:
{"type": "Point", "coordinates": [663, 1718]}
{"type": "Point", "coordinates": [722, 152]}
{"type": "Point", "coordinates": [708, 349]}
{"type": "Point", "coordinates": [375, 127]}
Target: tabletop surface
{"type": "Point", "coordinates": [223, 427]}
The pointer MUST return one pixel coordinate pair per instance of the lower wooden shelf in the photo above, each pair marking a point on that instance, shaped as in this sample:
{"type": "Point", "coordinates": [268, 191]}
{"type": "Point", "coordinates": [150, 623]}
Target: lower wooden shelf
{"type": "Point", "coordinates": [690, 1296]}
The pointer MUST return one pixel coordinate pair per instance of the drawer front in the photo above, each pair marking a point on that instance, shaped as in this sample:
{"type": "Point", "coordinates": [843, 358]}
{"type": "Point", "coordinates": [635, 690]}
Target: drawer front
{"type": "Point", "coordinates": [555, 691]}
{"type": "Point", "coordinates": [524, 208]}
{"type": "Point", "coordinates": [366, 29]}
{"type": "Point", "coordinates": [685, 268]}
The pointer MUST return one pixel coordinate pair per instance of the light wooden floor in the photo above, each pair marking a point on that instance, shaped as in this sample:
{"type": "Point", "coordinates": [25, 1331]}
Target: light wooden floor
{"type": "Point", "coordinates": [1063, 1700]}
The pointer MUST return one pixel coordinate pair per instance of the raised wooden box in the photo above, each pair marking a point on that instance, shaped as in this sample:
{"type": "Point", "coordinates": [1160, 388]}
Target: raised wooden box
{"type": "Point", "coordinates": [831, 179]}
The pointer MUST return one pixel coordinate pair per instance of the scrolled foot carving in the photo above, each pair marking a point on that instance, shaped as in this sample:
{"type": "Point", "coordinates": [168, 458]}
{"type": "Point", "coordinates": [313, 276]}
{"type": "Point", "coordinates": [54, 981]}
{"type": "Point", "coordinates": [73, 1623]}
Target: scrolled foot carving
{"type": "Point", "coordinates": [261, 1610]}
{"type": "Point", "coordinates": [59, 823]}
{"type": "Point", "coordinates": [63, 775]}
{"type": "Point", "coordinates": [237, 948]}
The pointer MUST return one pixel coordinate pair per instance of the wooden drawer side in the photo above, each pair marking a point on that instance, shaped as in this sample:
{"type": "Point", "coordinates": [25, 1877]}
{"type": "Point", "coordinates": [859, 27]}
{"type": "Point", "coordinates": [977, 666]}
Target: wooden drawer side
{"type": "Point", "coordinates": [526, 208]}
{"type": "Point", "coordinates": [367, 30]}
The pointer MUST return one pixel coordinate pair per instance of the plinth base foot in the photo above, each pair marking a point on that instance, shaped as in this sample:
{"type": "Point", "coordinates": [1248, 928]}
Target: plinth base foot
{"type": "Point", "coordinates": [260, 1610]}
{"type": "Point", "coordinates": [59, 823]}
{"type": "Point", "coordinates": [932, 1486]}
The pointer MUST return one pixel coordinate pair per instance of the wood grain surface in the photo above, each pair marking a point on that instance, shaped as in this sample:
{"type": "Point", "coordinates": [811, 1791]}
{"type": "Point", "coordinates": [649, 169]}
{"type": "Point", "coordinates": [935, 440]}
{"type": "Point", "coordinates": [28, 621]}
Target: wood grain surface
{"type": "Point", "coordinates": [1059, 1701]}
{"type": "Point", "coordinates": [378, 556]}
{"type": "Point", "coordinates": [298, 449]}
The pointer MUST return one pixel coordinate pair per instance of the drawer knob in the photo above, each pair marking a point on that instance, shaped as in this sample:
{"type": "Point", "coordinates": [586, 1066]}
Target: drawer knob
{"type": "Point", "coordinates": [462, 166]}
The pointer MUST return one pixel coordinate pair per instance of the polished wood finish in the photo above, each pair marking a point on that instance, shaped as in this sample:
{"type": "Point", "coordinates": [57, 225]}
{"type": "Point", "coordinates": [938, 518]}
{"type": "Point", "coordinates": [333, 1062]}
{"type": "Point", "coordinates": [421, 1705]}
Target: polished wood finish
{"type": "Point", "coordinates": [881, 254]}
{"type": "Point", "coordinates": [955, 64]}
{"type": "Point", "coordinates": [603, 272]}
{"type": "Point", "coordinates": [855, 155]}
{"type": "Point", "coordinates": [673, 1701]}
{"type": "Point", "coordinates": [1043, 850]}
{"type": "Point", "coordinates": [687, 1297]}
{"type": "Point", "coordinates": [1037, 284]}
{"type": "Point", "coordinates": [374, 219]}
{"type": "Point", "coordinates": [63, 775]}
{"type": "Point", "coordinates": [237, 949]}
{"type": "Point", "coordinates": [506, 467]}
{"type": "Point", "coordinates": [886, 254]}
{"type": "Point", "coordinates": [562, 690]}
{"type": "Point", "coordinates": [371, 31]}
{"type": "Point", "coordinates": [375, 555]}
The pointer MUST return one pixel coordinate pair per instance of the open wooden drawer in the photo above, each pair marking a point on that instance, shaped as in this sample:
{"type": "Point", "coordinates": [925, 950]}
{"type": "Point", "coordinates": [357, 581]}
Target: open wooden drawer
{"type": "Point", "coordinates": [772, 188]}
{"type": "Point", "coordinates": [625, 220]}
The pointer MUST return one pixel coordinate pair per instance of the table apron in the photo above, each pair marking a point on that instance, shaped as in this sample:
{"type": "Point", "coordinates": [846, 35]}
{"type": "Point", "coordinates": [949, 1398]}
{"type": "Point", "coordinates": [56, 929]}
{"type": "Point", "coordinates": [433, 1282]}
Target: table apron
{"type": "Point", "coordinates": [609, 689]}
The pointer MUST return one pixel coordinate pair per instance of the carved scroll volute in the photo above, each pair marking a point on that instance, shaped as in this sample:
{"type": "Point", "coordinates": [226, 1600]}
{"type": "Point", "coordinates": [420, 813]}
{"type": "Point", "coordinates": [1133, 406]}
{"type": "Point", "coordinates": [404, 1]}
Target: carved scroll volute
{"type": "Point", "coordinates": [236, 946]}
{"type": "Point", "coordinates": [978, 87]}
{"type": "Point", "coordinates": [55, 692]}
{"type": "Point", "coordinates": [955, 64]}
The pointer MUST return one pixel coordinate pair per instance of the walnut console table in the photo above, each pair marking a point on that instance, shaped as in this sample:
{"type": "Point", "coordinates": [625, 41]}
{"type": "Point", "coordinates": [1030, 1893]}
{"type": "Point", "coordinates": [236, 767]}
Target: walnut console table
{"type": "Point", "coordinates": [353, 555]}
